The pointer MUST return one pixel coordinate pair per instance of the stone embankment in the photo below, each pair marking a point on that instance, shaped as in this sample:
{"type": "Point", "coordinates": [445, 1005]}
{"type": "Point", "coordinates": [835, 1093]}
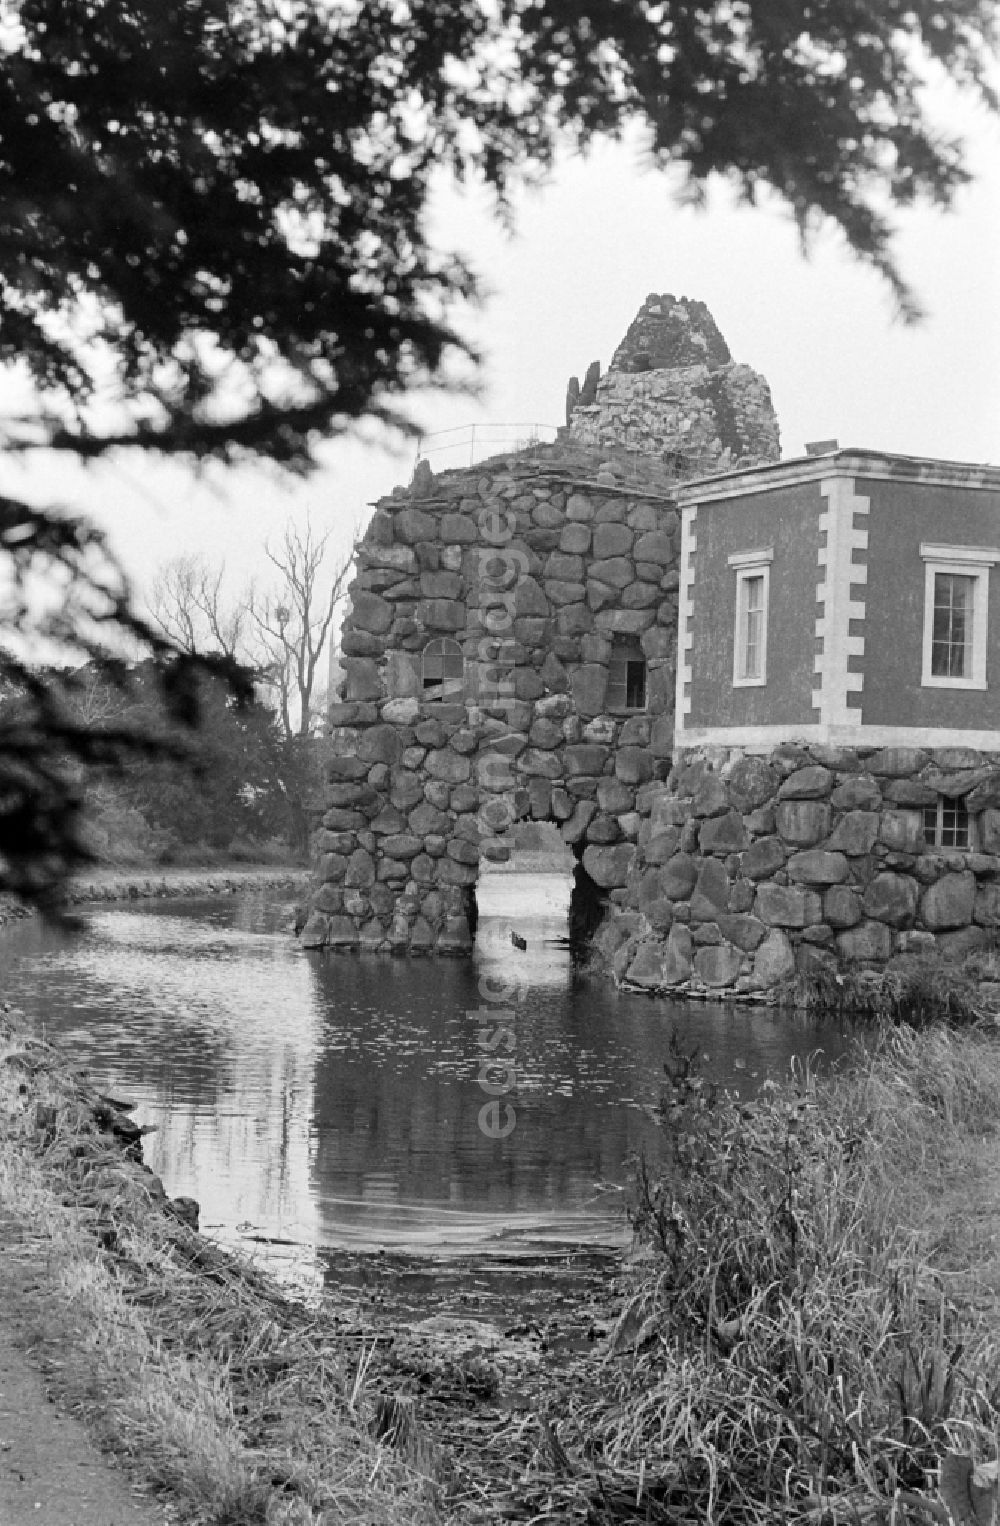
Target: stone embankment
{"type": "Point", "coordinates": [142, 884]}
{"type": "Point", "coordinates": [753, 869]}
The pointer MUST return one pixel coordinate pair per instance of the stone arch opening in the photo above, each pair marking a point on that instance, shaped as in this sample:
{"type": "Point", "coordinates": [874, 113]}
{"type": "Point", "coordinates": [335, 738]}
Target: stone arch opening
{"type": "Point", "coordinates": [508, 656]}
{"type": "Point", "coordinates": [588, 907]}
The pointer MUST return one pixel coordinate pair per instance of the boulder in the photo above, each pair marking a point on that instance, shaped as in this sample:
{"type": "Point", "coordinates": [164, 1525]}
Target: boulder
{"type": "Point", "coordinates": [448, 766]}
{"type": "Point", "coordinates": [657, 546]}
{"type": "Point", "coordinates": [902, 831]}
{"type": "Point", "coordinates": [752, 782]}
{"type": "Point", "coordinates": [989, 830]}
{"type": "Point", "coordinates": [343, 933]}
{"type": "Point", "coordinates": [589, 684]}
{"type": "Point", "coordinates": [662, 845]}
{"type": "Point", "coordinates": [811, 783]}
{"type": "Point", "coordinates": [608, 867]}
{"type": "Point", "coordinates": [897, 762]}
{"type": "Point", "coordinates": [711, 797]}
{"type": "Point", "coordinates": [763, 858]}
{"type": "Point", "coordinates": [679, 876]}
{"type": "Point", "coordinates": [867, 943]}
{"type": "Point", "coordinates": [841, 907]}
{"type": "Point", "coordinates": [370, 612]}
{"type": "Point", "coordinates": [723, 834]}
{"type": "Point", "coordinates": [855, 833]}
{"type": "Point", "coordinates": [711, 892]}
{"type": "Point", "coordinates": [616, 571]}
{"type": "Point", "coordinates": [803, 822]}
{"type": "Point", "coordinates": [817, 866]}
{"type": "Point", "coordinates": [745, 931]}
{"type": "Point", "coordinates": [633, 765]}
{"type": "Point", "coordinates": [718, 965]}
{"type": "Point", "coordinates": [586, 758]}
{"type": "Point", "coordinates": [787, 905]}
{"type": "Point", "coordinates": [987, 904]}
{"type": "Point", "coordinates": [774, 960]}
{"type": "Point", "coordinates": [950, 902]}
{"type": "Point", "coordinates": [611, 540]}
{"type": "Point", "coordinates": [380, 744]}
{"type": "Point", "coordinates": [891, 898]}
{"type": "Point", "coordinates": [858, 793]}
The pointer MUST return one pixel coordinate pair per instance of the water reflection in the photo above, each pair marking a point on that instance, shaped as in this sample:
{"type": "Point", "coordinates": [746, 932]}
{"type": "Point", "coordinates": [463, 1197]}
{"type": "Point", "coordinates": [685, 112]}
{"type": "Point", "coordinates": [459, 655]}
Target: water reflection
{"type": "Point", "coordinates": [336, 1102]}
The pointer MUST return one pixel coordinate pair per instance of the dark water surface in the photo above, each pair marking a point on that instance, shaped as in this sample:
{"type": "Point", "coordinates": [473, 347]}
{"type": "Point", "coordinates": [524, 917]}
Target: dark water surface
{"type": "Point", "coordinates": [335, 1102]}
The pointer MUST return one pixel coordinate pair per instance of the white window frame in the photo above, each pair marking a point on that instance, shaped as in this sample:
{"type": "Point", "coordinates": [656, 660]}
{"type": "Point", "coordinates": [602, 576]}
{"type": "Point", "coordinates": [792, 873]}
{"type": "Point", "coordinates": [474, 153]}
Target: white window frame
{"type": "Point", "coordinates": [748, 565]}
{"type": "Point", "coordinates": [960, 561]}
{"type": "Point", "coordinates": [943, 803]}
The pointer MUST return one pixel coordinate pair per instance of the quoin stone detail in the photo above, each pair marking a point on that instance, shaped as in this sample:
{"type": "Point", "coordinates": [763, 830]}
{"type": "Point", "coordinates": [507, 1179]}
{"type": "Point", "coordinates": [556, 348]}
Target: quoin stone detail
{"type": "Point", "coordinates": [843, 574]}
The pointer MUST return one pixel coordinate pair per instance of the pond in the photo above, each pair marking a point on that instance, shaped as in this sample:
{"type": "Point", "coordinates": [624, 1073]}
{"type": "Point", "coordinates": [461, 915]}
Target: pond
{"type": "Point", "coordinates": [319, 1103]}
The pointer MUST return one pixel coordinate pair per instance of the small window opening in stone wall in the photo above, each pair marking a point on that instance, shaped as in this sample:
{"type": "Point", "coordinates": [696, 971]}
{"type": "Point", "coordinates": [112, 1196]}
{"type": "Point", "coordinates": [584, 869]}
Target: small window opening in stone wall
{"type": "Point", "coordinates": [947, 824]}
{"type": "Point", "coordinates": [443, 669]}
{"type": "Point", "coordinates": [627, 675]}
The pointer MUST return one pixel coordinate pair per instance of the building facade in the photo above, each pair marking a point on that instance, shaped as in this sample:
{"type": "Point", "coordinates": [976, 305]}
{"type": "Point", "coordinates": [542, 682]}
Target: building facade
{"type": "Point", "coordinates": [841, 599]}
{"type": "Point", "coordinates": [834, 797]}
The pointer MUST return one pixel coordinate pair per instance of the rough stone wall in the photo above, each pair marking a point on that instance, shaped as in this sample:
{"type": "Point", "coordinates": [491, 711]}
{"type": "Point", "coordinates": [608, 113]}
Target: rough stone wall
{"type": "Point", "coordinates": [752, 868]}
{"type": "Point", "coordinates": [532, 563]}
{"type": "Point", "coordinates": [673, 391]}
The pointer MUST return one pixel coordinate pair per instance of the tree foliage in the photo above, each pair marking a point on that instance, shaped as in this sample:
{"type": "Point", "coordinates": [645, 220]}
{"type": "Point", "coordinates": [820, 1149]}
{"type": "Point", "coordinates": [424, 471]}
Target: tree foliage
{"type": "Point", "coordinates": [215, 237]}
{"type": "Point", "coordinates": [214, 789]}
{"type": "Point", "coordinates": [215, 211]}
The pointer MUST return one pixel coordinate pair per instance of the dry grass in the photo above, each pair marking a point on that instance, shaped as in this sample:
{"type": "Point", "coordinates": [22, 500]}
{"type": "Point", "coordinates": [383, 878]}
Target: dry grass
{"type": "Point", "coordinates": [810, 1324]}
{"type": "Point", "coordinates": [813, 1327]}
{"type": "Point", "coordinates": [245, 1407]}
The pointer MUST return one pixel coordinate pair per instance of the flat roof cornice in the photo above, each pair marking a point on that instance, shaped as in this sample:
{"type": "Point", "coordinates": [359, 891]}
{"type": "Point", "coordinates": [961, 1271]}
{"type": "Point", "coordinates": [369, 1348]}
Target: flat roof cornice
{"type": "Point", "coordinates": [849, 462]}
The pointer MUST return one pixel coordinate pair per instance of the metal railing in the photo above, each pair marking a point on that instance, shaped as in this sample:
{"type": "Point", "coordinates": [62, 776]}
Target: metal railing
{"type": "Point", "coordinates": [466, 444]}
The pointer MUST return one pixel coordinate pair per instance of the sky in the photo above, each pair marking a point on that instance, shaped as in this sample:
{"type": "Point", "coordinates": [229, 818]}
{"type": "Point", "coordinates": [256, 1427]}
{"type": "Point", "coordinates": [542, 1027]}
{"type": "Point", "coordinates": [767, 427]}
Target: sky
{"type": "Point", "coordinates": [590, 244]}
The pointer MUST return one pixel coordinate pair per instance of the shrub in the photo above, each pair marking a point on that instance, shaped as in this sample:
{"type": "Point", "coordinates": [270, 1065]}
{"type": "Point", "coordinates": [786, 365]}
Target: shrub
{"type": "Point", "coordinates": [798, 1346]}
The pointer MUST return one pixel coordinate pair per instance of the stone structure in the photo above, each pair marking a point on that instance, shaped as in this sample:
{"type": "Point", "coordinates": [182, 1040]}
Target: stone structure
{"type": "Point", "coordinates": [510, 653]}
{"type": "Point", "coordinates": [750, 868]}
{"type": "Point", "coordinates": [835, 794]}
{"type": "Point", "coordinates": [674, 391]}
{"type": "Point", "coordinates": [497, 621]}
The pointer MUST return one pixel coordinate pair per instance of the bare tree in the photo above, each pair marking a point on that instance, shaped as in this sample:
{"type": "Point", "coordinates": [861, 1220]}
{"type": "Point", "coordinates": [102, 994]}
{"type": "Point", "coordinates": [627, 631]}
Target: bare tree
{"type": "Point", "coordinates": [281, 633]}
{"type": "Point", "coordinates": [189, 607]}
{"type": "Point", "coordinates": [292, 624]}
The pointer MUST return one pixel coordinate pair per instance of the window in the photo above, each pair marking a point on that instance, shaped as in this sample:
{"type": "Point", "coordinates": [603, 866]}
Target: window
{"type": "Point", "coordinates": [956, 600]}
{"type": "Point", "coordinates": [443, 669]}
{"type": "Point", "coordinates": [946, 824]}
{"type": "Point", "coordinates": [627, 675]}
{"type": "Point", "coordinates": [753, 579]}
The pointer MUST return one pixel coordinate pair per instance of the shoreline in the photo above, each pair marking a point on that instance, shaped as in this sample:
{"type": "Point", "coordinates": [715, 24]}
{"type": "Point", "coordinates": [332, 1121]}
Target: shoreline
{"type": "Point", "coordinates": [118, 1286]}
{"type": "Point", "coordinates": [227, 1398]}
{"type": "Point", "coordinates": [134, 884]}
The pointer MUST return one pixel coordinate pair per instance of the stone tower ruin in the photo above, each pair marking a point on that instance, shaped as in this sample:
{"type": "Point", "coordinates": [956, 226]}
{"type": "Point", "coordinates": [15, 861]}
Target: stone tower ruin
{"type": "Point", "coordinates": [674, 391]}
{"type": "Point", "coordinates": [510, 649]}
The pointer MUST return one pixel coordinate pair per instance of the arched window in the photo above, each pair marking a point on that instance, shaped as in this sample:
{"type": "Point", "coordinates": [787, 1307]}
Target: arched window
{"type": "Point", "coordinates": [627, 675]}
{"type": "Point", "coordinates": [443, 669]}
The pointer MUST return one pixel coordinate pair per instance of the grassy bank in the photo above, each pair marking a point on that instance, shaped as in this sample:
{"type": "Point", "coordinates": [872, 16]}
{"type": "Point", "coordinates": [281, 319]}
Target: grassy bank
{"type": "Point", "coordinates": [808, 1327]}
{"type": "Point", "coordinates": [242, 1406]}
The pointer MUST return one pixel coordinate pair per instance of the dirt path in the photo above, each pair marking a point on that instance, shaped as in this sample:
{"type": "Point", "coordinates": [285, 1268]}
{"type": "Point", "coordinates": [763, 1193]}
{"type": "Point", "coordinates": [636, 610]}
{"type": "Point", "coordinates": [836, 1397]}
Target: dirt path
{"type": "Point", "coordinates": [51, 1471]}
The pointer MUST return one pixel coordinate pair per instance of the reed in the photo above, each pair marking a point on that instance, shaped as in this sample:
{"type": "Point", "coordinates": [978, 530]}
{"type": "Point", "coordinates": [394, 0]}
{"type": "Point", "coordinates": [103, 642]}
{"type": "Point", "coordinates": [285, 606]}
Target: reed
{"type": "Point", "coordinates": [920, 991]}
{"type": "Point", "coordinates": [812, 1328]}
